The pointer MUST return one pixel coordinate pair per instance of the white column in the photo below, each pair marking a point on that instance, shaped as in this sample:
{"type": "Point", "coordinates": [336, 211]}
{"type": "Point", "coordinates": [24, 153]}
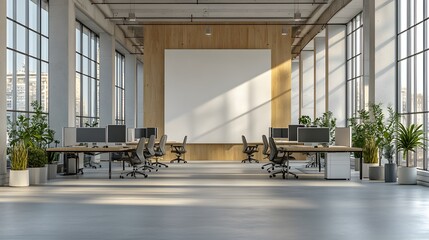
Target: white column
{"type": "Point", "coordinates": [319, 76]}
{"type": "Point", "coordinates": [140, 97]}
{"type": "Point", "coordinates": [336, 72]}
{"type": "Point", "coordinates": [62, 65]}
{"type": "Point", "coordinates": [3, 60]}
{"type": "Point", "coordinates": [385, 49]}
{"type": "Point", "coordinates": [130, 89]}
{"type": "Point", "coordinates": [307, 83]}
{"type": "Point", "coordinates": [107, 79]}
{"type": "Point", "coordinates": [368, 51]}
{"type": "Point", "coordinates": [294, 101]}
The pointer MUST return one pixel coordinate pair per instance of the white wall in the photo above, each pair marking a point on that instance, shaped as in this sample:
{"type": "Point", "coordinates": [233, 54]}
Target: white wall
{"type": "Point", "coordinates": [217, 95]}
{"type": "Point", "coordinates": [320, 75]}
{"type": "Point", "coordinates": [385, 49]}
{"type": "Point", "coordinates": [294, 102]}
{"type": "Point", "coordinates": [336, 77]}
{"type": "Point", "coordinates": [307, 83]}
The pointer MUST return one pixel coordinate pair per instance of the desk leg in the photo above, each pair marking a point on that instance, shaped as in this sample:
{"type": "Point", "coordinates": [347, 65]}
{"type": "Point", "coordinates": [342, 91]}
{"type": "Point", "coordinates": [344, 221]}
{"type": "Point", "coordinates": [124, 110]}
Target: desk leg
{"type": "Point", "coordinates": [287, 167]}
{"type": "Point", "coordinates": [318, 160]}
{"type": "Point", "coordinates": [360, 168]}
{"type": "Point", "coordinates": [110, 165]}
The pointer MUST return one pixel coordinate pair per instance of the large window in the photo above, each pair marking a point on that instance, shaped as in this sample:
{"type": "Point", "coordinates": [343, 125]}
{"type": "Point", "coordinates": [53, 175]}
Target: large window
{"type": "Point", "coordinates": [354, 66]}
{"type": "Point", "coordinates": [87, 76]}
{"type": "Point", "coordinates": [413, 66]}
{"type": "Point", "coordinates": [119, 88]}
{"type": "Point", "coordinates": [27, 56]}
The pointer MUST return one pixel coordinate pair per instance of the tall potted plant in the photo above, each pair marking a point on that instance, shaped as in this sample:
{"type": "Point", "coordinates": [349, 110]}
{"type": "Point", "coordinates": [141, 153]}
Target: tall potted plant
{"type": "Point", "coordinates": [408, 140]}
{"type": "Point", "coordinates": [36, 135]}
{"type": "Point", "coordinates": [378, 130]}
{"type": "Point", "coordinates": [18, 176]}
{"type": "Point", "coordinates": [388, 145]}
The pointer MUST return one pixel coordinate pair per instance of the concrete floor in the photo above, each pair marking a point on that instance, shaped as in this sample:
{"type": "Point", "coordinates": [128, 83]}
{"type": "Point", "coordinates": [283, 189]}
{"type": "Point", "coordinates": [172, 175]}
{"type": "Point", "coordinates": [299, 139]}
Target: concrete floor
{"type": "Point", "coordinates": [213, 200]}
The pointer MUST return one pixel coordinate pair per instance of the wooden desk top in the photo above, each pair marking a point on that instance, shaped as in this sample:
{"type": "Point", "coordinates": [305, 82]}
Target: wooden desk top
{"type": "Point", "coordinates": [91, 149]}
{"type": "Point", "coordinates": [303, 148]}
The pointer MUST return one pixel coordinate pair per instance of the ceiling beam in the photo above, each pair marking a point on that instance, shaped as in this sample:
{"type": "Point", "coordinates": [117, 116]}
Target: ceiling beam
{"type": "Point", "coordinates": [212, 3]}
{"type": "Point", "coordinates": [323, 20]}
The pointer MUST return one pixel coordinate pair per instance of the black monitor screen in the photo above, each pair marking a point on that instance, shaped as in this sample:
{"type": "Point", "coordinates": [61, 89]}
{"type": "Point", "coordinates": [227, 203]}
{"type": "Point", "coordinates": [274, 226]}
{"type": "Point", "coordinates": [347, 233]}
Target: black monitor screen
{"type": "Point", "coordinates": [116, 133]}
{"type": "Point", "coordinates": [313, 135]}
{"type": "Point", "coordinates": [151, 131]}
{"type": "Point", "coordinates": [279, 132]}
{"type": "Point", "coordinates": [293, 132]}
{"type": "Point", "coordinates": [90, 135]}
{"type": "Point", "coordinates": [139, 133]}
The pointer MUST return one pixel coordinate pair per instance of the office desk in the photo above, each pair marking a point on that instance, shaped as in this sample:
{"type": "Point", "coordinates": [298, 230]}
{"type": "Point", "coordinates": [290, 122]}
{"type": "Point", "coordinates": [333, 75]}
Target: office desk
{"type": "Point", "coordinates": [330, 149]}
{"type": "Point", "coordinates": [82, 149]}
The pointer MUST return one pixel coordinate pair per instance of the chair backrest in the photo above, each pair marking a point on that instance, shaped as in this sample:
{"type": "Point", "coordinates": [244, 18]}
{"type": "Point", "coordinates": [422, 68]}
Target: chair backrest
{"type": "Point", "coordinates": [266, 146]}
{"type": "Point", "coordinates": [140, 149]}
{"type": "Point", "coordinates": [151, 145]}
{"type": "Point", "coordinates": [184, 142]}
{"type": "Point", "coordinates": [273, 150]}
{"type": "Point", "coordinates": [162, 143]}
{"type": "Point", "coordinates": [243, 138]}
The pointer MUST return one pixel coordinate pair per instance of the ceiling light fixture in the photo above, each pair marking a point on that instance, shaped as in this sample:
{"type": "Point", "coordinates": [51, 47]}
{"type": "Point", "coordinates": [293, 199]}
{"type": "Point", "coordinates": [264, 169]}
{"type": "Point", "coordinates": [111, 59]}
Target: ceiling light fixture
{"type": "Point", "coordinates": [208, 31]}
{"type": "Point", "coordinates": [297, 16]}
{"type": "Point", "coordinates": [284, 31]}
{"type": "Point", "coordinates": [132, 17]}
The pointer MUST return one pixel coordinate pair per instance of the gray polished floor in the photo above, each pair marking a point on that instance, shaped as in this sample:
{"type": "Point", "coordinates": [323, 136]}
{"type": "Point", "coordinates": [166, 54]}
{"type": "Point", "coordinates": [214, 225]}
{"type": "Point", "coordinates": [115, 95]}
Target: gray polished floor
{"type": "Point", "coordinates": [213, 200]}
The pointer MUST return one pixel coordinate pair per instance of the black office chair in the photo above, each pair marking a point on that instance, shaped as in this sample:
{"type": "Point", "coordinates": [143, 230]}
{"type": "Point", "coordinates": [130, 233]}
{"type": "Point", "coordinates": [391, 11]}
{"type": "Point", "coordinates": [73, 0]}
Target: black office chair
{"type": "Point", "coordinates": [160, 151]}
{"type": "Point", "coordinates": [149, 152]}
{"type": "Point", "coordinates": [135, 159]}
{"type": "Point", "coordinates": [281, 159]}
{"type": "Point", "coordinates": [249, 150]}
{"type": "Point", "coordinates": [179, 150]}
{"type": "Point", "coordinates": [266, 153]}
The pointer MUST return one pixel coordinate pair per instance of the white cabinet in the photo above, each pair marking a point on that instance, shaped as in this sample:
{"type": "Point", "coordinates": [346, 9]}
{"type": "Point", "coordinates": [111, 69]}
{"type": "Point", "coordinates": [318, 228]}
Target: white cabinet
{"type": "Point", "coordinates": [337, 166]}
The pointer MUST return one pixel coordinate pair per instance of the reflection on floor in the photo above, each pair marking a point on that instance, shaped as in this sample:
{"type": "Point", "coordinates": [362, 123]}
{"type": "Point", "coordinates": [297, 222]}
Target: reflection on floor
{"type": "Point", "coordinates": [213, 200]}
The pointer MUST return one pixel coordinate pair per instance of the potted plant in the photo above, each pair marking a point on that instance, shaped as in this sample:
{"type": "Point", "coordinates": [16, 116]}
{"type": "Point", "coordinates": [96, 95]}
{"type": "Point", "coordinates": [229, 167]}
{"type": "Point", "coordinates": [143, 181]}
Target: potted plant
{"type": "Point", "coordinates": [378, 130]}
{"type": "Point", "coordinates": [37, 160]}
{"type": "Point", "coordinates": [388, 145]}
{"type": "Point", "coordinates": [35, 134]}
{"type": "Point", "coordinates": [327, 120]}
{"type": "Point", "coordinates": [305, 120]}
{"type": "Point", "coordinates": [18, 176]}
{"type": "Point", "coordinates": [408, 140]}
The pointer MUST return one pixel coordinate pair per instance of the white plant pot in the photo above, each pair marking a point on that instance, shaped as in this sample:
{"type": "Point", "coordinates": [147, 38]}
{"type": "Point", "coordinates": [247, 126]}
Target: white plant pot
{"type": "Point", "coordinates": [19, 178]}
{"type": "Point", "coordinates": [376, 173]}
{"type": "Point", "coordinates": [38, 175]}
{"type": "Point", "coordinates": [407, 175]}
{"type": "Point", "coordinates": [365, 169]}
{"type": "Point", "coordinates": [52, 171]}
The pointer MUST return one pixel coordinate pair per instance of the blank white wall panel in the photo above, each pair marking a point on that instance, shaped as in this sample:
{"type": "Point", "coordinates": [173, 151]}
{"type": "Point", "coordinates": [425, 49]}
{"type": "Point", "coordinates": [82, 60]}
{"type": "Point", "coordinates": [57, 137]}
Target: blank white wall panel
{"type": "Point", "coordinates": [307, 81]}
{"type": "Point", "coordinates": [294, 106]}
{"type": "Point", "coordinates": [217, 95]}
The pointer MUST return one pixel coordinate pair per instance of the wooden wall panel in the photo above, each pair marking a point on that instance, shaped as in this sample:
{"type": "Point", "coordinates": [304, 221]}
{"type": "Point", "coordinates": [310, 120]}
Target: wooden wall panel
{"type": "Point", "coordinates": [157, 38]}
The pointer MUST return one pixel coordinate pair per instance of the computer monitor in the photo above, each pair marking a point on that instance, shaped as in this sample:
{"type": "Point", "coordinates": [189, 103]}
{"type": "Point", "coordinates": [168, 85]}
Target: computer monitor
{"type": "Point", "coordinates": [278, 132]}
{"type": "Point", "coordinates": [139, 133]}
{"type": "Point", "coordinates": [116, 133]}
{"type": "Point", "coordinates": [293, 131]}
{"type": "Point", "coordinates": [91, 135]}
{"type": "Point", "coordinates": [151, 131]}
{"type": "Point", "coordinates": [313, 135]}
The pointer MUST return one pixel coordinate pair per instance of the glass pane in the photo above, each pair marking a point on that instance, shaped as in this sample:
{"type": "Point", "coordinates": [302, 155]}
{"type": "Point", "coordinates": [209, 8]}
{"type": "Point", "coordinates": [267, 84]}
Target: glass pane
{"type": "Point", "coordinates": [32, 14]}
{"type": "Point", "coordinates": [85, 96]}
{"type": "Point", "coordinates": [419, 83]}
{"type": "Point", "coordinates": [10, 35]}
{"type": "Point", "coordinates": [93, 69]}
{"type": "Point", "coordinates": [20, 11]}
{"type": "Point", "coordinates": [403, 84]}
{"type": "Point", "coordinates": [402, 45]}
{"type": "Point", "coordinates": [85, 42]}
{"type": "Point", "coordinates": [411, 79]}
{"type": "Point", "coordinates": [21, 96]}
{"type": "Point", "coordinates": [32, 80]}
{"type": "Point", "coordinates": [45, 49]}
{"type": "Point", "coordinates": [419, 10]}
{"type": "Point", "coordinates": [33, 43]}
{"type": "Point", "coordinates": [78, 35]}
{"type": "Point", "coordinates": [93, 47]}
{"type": "Point", "coordinates": [85, 66]}
{"type": "Point", "coordinates": [78, 83]}
{"type": "Point", "coordinates": [9, 81]}
{"type": "Point", "coordinates": [44, 91]}
{"type": "Point", "coordinates": [419, 38]}
{"type": "Point", "coordinates": [45, 18]}
{"type": "Point", "coordinates": [93, 98]}
{"type": "Point", "coordinates": [411, 14]}
{"type": "Point", "coordinates": [78, 64]}
{"type": "Point", "coordinates": [9, 5]}
{"type": "Point", "coordinates": [21, 35]}
{"type": "Point", "coordinates": [403, 15]}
